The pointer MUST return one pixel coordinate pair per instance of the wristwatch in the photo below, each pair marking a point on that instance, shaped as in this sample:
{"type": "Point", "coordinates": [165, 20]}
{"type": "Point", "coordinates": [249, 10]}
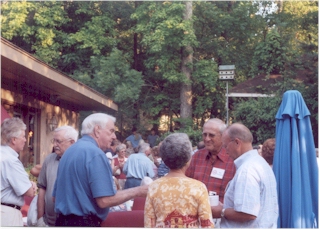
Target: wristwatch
{"type": "Point", "coordinates": [222, 212]}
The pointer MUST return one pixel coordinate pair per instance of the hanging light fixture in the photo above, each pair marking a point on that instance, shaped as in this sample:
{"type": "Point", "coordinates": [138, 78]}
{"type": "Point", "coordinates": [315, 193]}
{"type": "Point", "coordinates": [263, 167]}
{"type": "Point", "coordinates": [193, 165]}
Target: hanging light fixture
{"type": "Point", "coordinates": [52, 122]}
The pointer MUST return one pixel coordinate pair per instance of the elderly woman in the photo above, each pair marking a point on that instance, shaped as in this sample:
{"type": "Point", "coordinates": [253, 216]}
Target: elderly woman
{"type": "Point", "coordinates": [117, 164]}
{"type": "Point", "coordinates": [176, 201]}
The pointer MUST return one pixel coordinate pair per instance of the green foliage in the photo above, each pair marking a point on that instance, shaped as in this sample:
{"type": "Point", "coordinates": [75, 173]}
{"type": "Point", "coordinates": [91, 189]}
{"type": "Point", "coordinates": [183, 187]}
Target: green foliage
{"type": "Point", "coordinates": [96, 35]}
{"type": "Point", "coordinates": [208, 91]}
{"type": "Point", "coordinates": [269, 56]}
{"type": "Point", "coordinates": [298, 23]}
{"type": "Point", "coordinates": [13, 17]}
{"type": "Point", "coordinates": [228, 32]}
{"type": "Point", "coordinates": [298, 40]}
{"type": "Point", "coordinates": [31, 177]}
{"type": "Point", "coordinates": [164, 34]}
{"type": "Point", "coordinates": [259, 116]}
{"type": "Point", "coordinates": [195, 136]}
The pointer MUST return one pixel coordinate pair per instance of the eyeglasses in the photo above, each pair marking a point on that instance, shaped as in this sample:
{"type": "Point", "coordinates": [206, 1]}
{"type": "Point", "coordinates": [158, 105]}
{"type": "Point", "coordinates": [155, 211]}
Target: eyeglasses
{"type": "Point", "coordinates": [204, 135]}
{"type": "Point", "coordinates": [58, 141]}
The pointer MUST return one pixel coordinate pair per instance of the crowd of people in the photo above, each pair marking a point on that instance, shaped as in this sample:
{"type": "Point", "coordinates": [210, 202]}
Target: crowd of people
{"type": "Point", "coordinates": [83, 180]}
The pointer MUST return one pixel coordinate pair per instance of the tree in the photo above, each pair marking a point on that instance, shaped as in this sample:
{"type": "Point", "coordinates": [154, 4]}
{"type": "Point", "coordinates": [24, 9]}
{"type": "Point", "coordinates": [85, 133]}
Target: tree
{"type": "Point", "coordinates": [269, 56]}
{"type": "Point", "coordinates": [164, 36]}
{"type": "Point", "coordinates": [186, 69]}
{"type": "Point", "coordinates": [252, 113]}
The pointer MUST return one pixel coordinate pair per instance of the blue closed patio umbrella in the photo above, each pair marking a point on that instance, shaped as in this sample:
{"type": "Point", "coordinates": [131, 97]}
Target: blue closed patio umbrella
{"type": "Point", "coordinates": [295, 164]}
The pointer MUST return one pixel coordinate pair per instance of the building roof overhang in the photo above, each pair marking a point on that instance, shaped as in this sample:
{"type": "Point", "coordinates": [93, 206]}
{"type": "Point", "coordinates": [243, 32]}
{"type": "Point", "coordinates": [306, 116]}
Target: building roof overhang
{"type": "Point", "coordinates": [259, 86]}
{"type": "Point", "coordinates": [249, 95]}
{"type": "Point", "coordinates": [21, 72]}
{"type": "Point", "coordinates": [263, 85]}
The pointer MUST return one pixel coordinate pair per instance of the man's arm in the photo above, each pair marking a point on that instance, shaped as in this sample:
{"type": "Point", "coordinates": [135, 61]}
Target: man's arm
{"type": "Point", "coordinates": [35, 171]}
{"type": "Point", "coordinates": [231, 214]}
{"type": "Point", "coordinates": [41, 203]}
{"type": "Point", "coordinates": [32, 190]}
{"type": "Point", "coordinates": [122, 196]}
{"type": "Point", "coordinates": [150, 172]}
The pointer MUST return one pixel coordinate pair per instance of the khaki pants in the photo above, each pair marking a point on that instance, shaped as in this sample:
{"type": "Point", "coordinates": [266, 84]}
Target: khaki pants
{"type": "Point", "coordinates": [11, 217]}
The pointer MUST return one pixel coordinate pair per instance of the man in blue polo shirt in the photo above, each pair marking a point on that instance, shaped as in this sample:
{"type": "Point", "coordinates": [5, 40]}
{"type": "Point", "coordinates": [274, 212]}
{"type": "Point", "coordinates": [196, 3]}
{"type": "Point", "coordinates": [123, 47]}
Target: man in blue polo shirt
{"type": "Point", "coordinates": [138, 166]}
{"type": "Point", "coordinates": [84, 188]}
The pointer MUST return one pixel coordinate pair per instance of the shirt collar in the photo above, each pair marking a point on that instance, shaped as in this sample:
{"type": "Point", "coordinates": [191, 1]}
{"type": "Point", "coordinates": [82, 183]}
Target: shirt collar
{"type": "Point", "coordinates": [87, 137]}
{"type": "Point", "coordinates": [58, 157]}
{"type": "Point", "coordinates": [10, 150]}
{"type": "Point", "coordinates": [240, 160]}
{"type": "Point", "coordinates": [222, 155]}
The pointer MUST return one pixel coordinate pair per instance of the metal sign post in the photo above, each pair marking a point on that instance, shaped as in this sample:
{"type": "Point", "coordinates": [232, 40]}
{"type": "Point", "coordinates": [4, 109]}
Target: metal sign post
{"type": "Point", "coordinates": [226, 72]}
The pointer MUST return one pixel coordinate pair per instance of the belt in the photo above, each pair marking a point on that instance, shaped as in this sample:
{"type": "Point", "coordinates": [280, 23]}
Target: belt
{"type": "Point", "coordinates": [12, 206]}
{"type": "Point", "coordinates": [62, 220]}
{"type": "Point", "coordinates": [133, 178]}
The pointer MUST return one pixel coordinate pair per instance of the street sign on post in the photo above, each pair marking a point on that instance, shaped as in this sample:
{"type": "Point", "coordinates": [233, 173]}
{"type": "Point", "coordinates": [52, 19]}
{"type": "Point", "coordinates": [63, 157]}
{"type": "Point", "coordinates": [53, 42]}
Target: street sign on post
{"type": "Point", "coordinates": [226, 72]}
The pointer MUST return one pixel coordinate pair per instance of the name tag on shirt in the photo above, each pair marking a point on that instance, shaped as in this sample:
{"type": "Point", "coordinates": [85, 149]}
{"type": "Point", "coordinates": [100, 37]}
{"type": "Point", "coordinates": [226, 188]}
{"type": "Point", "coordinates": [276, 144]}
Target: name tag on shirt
{"type": "Point", "coordinates": [217, 173]}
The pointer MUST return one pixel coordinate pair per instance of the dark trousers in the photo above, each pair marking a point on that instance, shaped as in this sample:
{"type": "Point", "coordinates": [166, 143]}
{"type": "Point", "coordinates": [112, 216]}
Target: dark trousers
{"type": "Point", "coordinates": [80, 221]}
{"type": "Point", "coordinates": [132, 182]}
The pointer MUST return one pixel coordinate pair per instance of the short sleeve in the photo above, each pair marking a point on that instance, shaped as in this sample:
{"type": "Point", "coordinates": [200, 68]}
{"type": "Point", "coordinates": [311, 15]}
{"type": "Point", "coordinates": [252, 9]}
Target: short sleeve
{"type": "Point", "coordinates": [18, 177]}
{"type": "Point", "coordinates": [247, 193]}
{"type": "Point", "coordinates": [99, 171]}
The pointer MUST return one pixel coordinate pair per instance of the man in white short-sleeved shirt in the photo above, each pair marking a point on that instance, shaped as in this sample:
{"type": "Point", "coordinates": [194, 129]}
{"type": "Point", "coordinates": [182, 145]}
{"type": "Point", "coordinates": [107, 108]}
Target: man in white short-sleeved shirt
{"type": "Point", "coordinates": [15, 183]}
{"type": "Point", "coordinates": [250, 200]}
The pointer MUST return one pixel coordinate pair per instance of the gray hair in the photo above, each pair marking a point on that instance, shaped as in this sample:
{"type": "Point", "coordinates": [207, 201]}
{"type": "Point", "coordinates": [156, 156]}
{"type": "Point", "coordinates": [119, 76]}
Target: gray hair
{"type": "Point", "coordinates": [218, 123]}
{"type": "Point", "coordinates": [11, 127]}
{"type": "Point", "coordinates": [143, 147]}
{"type": "Point", "coordinates": [120, 147]}
{"type": "Point", "coordinates": [176, 150]}
{"type": "Point", "coordinates": [70, 132]}
{"type": "Point", "coordinates": [99, 119]}
{"type": "Point", "coordinates": [238, 130]}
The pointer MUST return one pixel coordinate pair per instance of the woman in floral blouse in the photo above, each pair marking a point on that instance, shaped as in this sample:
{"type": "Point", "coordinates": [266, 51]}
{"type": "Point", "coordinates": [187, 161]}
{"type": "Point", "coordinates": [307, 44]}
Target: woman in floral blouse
{"type": "Point", "coordinates": [176, 201]}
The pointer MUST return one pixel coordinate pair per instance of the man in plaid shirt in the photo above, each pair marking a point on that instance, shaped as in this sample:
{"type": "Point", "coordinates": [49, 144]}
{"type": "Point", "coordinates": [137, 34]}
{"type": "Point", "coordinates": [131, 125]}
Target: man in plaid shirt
{"type": "Point", "coordinates": [212, 165]}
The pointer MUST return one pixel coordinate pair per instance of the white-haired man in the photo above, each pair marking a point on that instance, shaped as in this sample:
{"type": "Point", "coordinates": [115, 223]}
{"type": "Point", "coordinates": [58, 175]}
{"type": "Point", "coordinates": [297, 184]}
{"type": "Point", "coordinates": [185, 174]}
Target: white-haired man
{"type": "Point", "coordinates": [84, 189]}
{"type": "Point", "coordinates": [15, 183]}
{"type": "Point", "coordinates": [63, 138]}
{"type": "Point", "coordinates": [212, 165]}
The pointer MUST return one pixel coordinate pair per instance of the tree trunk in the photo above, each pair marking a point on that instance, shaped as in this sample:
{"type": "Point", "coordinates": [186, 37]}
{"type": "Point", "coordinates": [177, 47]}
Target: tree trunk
{"type": "Point", "coordinates": [135, 45]}
{"type": "Point", "coordinates": [186, 90]}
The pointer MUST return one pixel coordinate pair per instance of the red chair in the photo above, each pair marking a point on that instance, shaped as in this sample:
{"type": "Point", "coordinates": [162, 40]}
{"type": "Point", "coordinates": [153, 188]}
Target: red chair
{"type": "Point", "coordinates": [25, 207]}
{"type": "Point", "coordinates": [127, 219]}
{"type": "Point", "coordinates": [138, 203]}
